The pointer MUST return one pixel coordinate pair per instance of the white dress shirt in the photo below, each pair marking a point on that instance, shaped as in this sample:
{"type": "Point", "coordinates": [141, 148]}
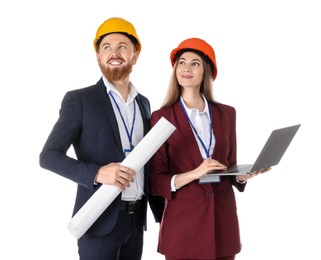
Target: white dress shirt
{"type": "Point", "coordinates": [201, 120]}
{"type": "Point", "coordinates": [136, 189]}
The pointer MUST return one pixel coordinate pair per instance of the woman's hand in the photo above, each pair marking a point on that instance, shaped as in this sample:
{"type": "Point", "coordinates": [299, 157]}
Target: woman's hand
{"type": "Point", "coordinates": [245, 177]}
{"type": "Point", "coordinates": [206, 166]}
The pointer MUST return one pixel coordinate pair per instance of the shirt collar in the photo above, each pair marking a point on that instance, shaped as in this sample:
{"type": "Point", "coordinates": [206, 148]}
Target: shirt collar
{"type": "Point", "coordinates": [133, 92]}
{"type": "Point", "coordinates": [190, 111]}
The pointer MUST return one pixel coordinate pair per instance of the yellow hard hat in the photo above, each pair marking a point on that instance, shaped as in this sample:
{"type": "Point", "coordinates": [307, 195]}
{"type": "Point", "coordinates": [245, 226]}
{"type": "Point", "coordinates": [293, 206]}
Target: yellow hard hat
{"type": "Point", "coordinates": [116, 25]}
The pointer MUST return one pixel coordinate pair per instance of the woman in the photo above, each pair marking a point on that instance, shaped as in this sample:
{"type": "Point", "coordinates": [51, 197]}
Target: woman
{"type": "Point", "coordinates": [199, 220]}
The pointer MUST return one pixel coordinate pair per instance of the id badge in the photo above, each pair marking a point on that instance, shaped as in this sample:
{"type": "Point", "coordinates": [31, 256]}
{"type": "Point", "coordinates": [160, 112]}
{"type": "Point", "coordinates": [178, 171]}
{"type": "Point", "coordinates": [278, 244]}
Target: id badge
{"type": "Point", "coordinates": [127, 151]}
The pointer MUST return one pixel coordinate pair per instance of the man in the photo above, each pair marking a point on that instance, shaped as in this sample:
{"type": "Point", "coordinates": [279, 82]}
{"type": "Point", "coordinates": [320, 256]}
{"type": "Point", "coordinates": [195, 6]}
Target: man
{"type": "Point", "coordinates": [103, 123]}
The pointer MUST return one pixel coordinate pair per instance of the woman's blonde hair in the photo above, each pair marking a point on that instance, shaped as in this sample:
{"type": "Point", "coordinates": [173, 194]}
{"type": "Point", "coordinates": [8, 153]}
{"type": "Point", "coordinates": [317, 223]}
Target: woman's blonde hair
{"type": "Point", "coordinates": [174, 89]}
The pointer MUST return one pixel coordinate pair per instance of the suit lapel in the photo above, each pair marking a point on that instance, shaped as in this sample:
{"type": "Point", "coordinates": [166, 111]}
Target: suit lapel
{"type": "Point", "coordinates": [188, 135]}
{"type": "Point", "coordinates": [109, 111]}
{"type": "Point", "coordinates": [145, 112]}
{"type": "Point", "coordinates": [216, 128]}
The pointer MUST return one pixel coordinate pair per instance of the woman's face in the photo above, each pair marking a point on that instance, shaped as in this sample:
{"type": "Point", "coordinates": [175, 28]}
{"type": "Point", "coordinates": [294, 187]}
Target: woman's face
{"type": "Point", "coordinates": [190, 70]}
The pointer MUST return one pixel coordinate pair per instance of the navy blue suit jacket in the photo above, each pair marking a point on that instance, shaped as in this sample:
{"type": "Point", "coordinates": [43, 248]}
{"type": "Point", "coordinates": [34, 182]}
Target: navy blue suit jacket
{"type": "Point", "coordinates": [88, 123]}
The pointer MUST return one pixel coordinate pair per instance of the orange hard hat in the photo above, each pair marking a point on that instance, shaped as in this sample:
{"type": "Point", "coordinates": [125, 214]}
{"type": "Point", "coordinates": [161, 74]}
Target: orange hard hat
{"type": "Point", "coordinates": [198, 45]}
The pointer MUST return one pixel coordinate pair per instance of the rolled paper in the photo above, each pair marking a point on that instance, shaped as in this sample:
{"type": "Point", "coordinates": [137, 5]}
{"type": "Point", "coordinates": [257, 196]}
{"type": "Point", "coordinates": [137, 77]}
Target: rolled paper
{"type": "Point", "coordinates": [106, 194]}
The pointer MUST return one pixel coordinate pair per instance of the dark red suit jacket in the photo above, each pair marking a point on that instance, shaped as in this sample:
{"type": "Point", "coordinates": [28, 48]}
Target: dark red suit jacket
{"type": "Point", "coordinates": [199, 220]}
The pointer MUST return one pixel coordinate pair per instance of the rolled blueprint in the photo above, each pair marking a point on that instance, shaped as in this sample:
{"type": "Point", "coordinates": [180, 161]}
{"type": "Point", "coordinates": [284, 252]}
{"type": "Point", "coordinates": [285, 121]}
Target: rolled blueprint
{"type": "Point", "coordinates": [106, 194]}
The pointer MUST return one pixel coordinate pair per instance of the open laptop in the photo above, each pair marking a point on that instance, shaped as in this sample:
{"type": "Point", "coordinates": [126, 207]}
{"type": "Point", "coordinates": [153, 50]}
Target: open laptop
{"type": "Point", "coordinates": [271, 154]}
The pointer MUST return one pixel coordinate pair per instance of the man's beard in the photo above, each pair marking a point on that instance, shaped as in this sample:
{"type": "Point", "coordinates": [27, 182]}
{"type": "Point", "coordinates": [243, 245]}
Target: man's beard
{"type": "Point", "coordinates": [116, 74]}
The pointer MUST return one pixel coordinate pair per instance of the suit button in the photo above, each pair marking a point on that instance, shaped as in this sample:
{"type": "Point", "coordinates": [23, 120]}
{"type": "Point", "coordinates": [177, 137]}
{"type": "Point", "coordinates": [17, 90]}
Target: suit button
{"type": "Point", "coordinates": [208, 194]}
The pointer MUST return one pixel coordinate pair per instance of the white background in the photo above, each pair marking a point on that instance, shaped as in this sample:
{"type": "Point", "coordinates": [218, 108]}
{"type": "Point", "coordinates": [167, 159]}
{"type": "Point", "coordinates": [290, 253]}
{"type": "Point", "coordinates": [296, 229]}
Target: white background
{"type": "Point", "coordinates": [268, 58]}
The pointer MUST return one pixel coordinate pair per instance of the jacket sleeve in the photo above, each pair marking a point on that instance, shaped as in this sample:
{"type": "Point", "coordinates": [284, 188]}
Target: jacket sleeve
{"type": "Point", "coordinates": [53, 156]}
{"type": "Point", "coordinates": [160, 177]}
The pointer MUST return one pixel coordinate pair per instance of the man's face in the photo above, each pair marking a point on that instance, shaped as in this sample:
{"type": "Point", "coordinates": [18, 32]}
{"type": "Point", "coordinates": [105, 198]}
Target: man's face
{"type": "Point", "coordinates": [116, 56]}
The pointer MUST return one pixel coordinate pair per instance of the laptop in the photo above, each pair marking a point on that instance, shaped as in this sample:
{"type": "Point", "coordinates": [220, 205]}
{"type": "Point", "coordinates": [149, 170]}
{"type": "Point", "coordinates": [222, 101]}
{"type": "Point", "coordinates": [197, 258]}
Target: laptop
{"type": "Point", "coordinates": [271, 154]}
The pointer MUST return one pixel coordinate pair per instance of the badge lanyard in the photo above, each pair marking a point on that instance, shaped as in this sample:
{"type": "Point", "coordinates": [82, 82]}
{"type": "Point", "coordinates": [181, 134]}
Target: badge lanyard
{"type": "Point", "coordinates": [129, 134]}
{"type": "Point", "coordinates": [207, 150]}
